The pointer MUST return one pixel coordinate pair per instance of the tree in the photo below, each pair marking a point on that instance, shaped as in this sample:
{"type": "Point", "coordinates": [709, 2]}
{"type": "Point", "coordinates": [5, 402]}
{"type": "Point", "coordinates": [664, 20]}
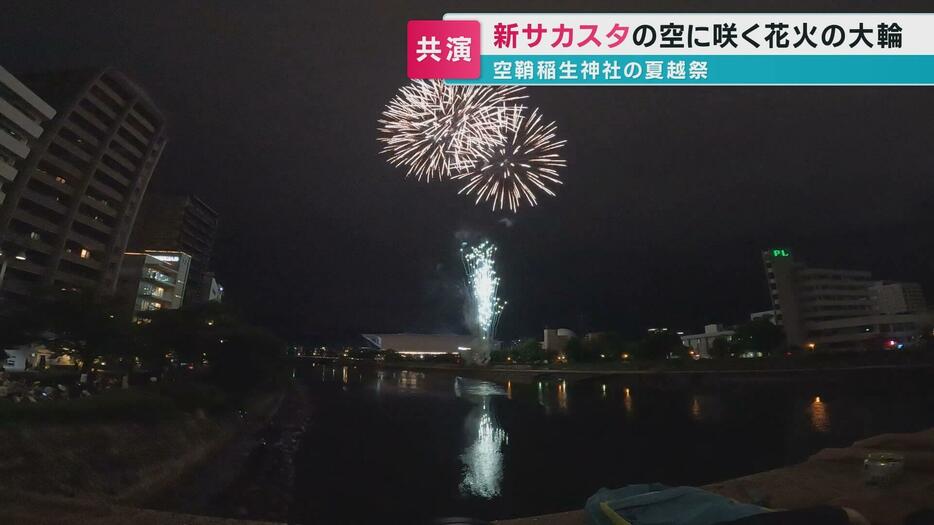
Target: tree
{"type": "Point", "coordinates": [528, 351]}
{"type": "Point", "coordinates": [26, 322]}
{"type": "Point", "coordinates": [758, 335]}
{"type": "Point", "coordinates": [188, 333]}
{"type": "Point", "coordinates": [661, 344]}
{"type": "Point", "coordinates": [577, 352]}
{"type": "Point", "coordinates": [606, 345]}
{"type": "Point", "coordinates": [720, 348]}
{"type": "Point", "coordinates": [246, 358]}
{"type": "Point", "coordinates": [84, 324]}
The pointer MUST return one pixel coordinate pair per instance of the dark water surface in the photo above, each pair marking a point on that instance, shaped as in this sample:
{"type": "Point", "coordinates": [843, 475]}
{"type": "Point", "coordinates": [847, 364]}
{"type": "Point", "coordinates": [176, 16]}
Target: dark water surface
{"type": "Point", "coordinates": [397, 446]}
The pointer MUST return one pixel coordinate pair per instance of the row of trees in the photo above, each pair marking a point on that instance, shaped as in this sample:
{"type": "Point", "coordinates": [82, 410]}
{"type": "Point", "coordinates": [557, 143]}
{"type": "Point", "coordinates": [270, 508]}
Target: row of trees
{"type": "Point", "coordinates": [757, 336]}
{"type": "Point", "coordinates": [210, 337]}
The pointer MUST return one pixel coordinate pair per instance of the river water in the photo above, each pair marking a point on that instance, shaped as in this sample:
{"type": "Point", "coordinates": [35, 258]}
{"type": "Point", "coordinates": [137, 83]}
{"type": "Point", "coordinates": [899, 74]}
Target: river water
{"type": "Point", "coordinates": [406, 446]}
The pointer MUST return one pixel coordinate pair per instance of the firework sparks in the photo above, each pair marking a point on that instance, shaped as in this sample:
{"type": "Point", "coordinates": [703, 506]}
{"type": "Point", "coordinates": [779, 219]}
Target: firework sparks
{"type": "Point", "coordinates": [483, 284]}
{"type": "Point", "coordinates": [432, 129]}
{"type": "Point", "coordinates": [524, 162]}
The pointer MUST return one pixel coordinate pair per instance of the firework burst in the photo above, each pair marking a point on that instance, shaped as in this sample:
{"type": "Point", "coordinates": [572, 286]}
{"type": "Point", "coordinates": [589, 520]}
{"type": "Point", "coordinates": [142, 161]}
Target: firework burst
{"type": "Point", "coordinates": [483, 284]}
{"type": "Point", "coordinates": [524, 162]}
{"type": "Point", "coordinates": [433, 130]}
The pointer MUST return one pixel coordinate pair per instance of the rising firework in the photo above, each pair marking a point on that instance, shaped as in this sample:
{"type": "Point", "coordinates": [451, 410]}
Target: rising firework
{"type": "Point", "coordinates": [483, 284]}
{"type": "Point", "coordinates": [432, 129]}
{"type": "Point", "coordinates": [524, 162]}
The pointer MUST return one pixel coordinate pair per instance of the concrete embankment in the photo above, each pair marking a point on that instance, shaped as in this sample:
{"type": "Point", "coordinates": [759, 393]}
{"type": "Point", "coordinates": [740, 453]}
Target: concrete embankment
{"type": "Point", "coordinates": [831, 477]}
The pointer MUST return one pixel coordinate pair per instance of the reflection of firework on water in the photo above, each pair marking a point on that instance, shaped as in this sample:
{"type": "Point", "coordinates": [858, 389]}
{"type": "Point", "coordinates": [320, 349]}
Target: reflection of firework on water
{"type": "Point", "coordinates": [433, 129]}
{"type": "Point", "coordinates": [483, 284]}
{"type": "Point", "coordinates": [483, 460]}
{"type": "Point", "coordinates": [524, 162]}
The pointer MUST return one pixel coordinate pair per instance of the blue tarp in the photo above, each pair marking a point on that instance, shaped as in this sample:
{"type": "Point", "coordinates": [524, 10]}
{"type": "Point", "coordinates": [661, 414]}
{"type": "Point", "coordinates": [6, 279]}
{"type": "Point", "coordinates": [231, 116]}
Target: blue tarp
{"type": "Point", "coordinates": [657, 504]}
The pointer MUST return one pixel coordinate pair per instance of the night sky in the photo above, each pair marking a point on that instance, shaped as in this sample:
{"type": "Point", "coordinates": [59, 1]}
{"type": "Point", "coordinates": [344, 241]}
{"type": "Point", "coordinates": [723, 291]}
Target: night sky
{"type": "Point", "coordinates": [670, 192]}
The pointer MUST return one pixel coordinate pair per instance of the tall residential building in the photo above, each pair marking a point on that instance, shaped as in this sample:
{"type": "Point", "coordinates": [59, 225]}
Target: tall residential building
{"type": "Point", "coordinates": [152, 281]}
{"type": "Point", "coordinates": [73, 202]}
{"type": "Point", "coordinates": [22, 115]}
{"type": "Point", "coordinates": [184, 223]}
{"type": "Point", "coordinates": [832, 309]}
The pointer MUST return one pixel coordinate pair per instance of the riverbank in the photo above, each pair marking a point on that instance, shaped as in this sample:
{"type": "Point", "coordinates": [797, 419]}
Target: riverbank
{"type": "Point", "coordinates": [32, 509]}
{"type": "Point", "coordinates": [251, 476]}
{"type": "Point", "coordinates": [830, 477]}
{"type": "Point", "coordinates": [120, 447]}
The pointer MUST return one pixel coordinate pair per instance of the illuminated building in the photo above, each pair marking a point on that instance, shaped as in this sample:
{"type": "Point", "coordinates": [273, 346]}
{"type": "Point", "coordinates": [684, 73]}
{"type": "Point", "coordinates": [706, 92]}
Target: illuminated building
{"type": "Point", "coordinates": [73, 200]}
{"type": "Point", "coordinates": [153, 280]}
{"type": "Point", "coordinates": [703, 342]}
{"type": "Point", "coordinates": [829, 309]}
{"type": "Point", "coordinates": [421, 345]}
{"type": "Point", "coordinates": [768, 315]}
{"type": "Point", "coordinates": [181, 223]}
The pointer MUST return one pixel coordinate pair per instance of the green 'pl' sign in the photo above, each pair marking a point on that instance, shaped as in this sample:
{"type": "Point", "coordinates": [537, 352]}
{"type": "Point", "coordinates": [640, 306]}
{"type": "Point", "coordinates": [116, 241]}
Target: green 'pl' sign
{"type": "Point", "coordinates": [781, 253]}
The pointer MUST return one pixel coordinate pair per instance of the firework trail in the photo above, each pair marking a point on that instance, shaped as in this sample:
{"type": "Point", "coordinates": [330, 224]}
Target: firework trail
{"type": "Point", "coordinates": [483, 284]}
{"type": "Point", "coordinates": [525, 161]}
{"type": "Point", "coordinates": [433, 130]}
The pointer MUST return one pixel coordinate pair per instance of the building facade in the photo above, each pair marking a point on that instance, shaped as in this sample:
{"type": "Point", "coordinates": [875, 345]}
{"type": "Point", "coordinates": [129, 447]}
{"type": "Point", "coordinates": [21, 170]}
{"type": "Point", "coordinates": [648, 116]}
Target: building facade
{"type": "Point", "coordinates": [183, 223]}
{"type": "Point", "coordinates": [421, 344]}
{"type": "Point", "coordinates": [897, 298]}
{"type": "Point", "coordinates": [831, 309]}
{"type": "Point", "coordinates": [153, 281]}
{"type": "Point", "coordinates": [702, 343]}
{"type": "Point", "coordinates": [556, 339]}
{"type": "Point", "coordinates": [73, 202]}
{"type": "Point", "coordinates": [768, 315]}
{"type": "Point", "coordinates": [22, 117]}
{"type": "Point", "coordinates": [211, 290]}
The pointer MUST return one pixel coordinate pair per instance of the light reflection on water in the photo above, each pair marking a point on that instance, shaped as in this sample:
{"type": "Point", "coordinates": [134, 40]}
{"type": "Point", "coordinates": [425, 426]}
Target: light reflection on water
{"type": "Point", "coordinates": [696, 409]}
{"type": "Point", "coordinates": [409, 379]}
{"type": "Point", "coordinates": [483, 458]}
{"type": "Point", "coordinates": [563, 397]}
{"type": "Point", "coordinates": [820, 417]}
{"type": "Point", "coordinates": [488, 441]}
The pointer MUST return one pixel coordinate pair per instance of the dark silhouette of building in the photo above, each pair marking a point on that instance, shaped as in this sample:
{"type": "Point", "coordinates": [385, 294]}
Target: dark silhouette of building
{"type": "Point", "coordinates": [183, 223]}
{"type": "Point", "coordinates": [74, 200]}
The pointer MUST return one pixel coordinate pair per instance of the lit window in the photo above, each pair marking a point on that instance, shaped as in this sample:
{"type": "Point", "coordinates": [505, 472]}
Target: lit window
{"type": "Point", "coordinates": [60, 180]}
{"type": "Point", "coordinates": [85, 254]}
